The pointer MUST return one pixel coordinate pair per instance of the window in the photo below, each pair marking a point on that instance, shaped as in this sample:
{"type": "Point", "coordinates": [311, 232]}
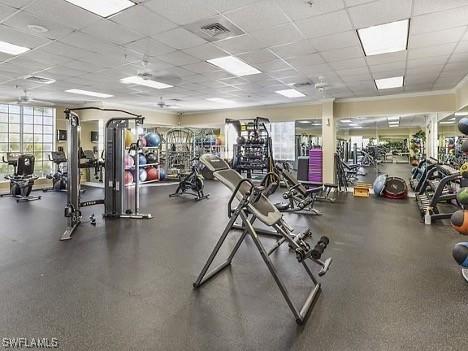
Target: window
{"type": "Point", "coordinates": [30, 130]}
{"type": "Point", "coordinates": [283, 139]}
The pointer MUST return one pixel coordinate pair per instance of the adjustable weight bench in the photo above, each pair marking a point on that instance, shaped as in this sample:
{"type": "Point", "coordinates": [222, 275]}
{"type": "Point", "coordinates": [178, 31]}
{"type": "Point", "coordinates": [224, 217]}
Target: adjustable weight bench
{"type": "Point", "coordinates": [254, 205]}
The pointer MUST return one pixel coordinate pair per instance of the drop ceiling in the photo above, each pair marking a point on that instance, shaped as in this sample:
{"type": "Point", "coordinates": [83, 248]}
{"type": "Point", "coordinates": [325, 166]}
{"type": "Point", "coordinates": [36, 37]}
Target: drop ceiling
{"type": "Point", "coordinates": [289, 41]}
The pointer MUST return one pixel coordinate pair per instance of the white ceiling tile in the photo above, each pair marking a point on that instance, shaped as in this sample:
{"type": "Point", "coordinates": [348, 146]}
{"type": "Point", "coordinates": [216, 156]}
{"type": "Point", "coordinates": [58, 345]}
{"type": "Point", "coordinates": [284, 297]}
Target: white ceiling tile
{"type": "Point", "coordinates": [428, 6]}
{"type": "Point", "coordinates": [354, 73]}
{"type": "Point", "coordinates": [306, 60]}
{"type": "Point", "coordinates": [284, 74]}
{"type": "Point", "coordinates": [16, 3]}
{"type": "Point", "coordinates": [257, 16]}
{"type": "Point", "coordinates": [227, 5]}
{"type": "Point", "coordinates": [380, 12]}
{"type": "Point", "coordinates": [347, 64]}
{"type": "Point", "coordinates": [279, 35]}
{"type": "Point", "coordinates": [300, 48]}
{"type": "Point", "coordinates": [436, 38]}
{"type": "Point", "coordinates": [259, 56]}
{"type": "Point", "coordinates": [272, 66]}
{"type": "Point", "coordinates": [336, 41]}
{"type": "Point", "coordinates": [342, 54]}
{"type": "Point", "coordinates": [462, 47]}
{"type": "Point", "coordinates": [150, 47]}
{"type": "Point", "coordinates": [350, 3]}
{"type": "Point", "coordinates": [181, 12]}
{"type": "Point", "coordinates": [380, 72]}
{"type": "Point", "coordinates": [205, 52]}
{"type": "Point", "coordinates": [440, 50]}
{"type": "Point", "coordinates": [21, 20]}
{"type": "Point", "coordinates": [440, 20]}
{"type": "Point", "coordinates": [386, 58]}
{"type": "Point", "coordinates": [62, 12]}
{"type": "Point", "coordinates": [178, 58]}
{"type": "Point", "coordinates": [331, 23]}
{"type": "Point", "coordinates": [16, 37]}
{"type": "Point", "coordinates": [201, 67]}
{"type": "Point", "coordinates": [426, 61]}
{"type": "Point", "coordinates": [241, 44]}
{"type": "Point", "coordinates": [112, 32]}
{"type": "Point", "coordinates": [459, 57]}
{"type": "Point", "coordinates": [180, 38]}
{"type": "Point", "coordinates": [143, 21]}
{"type": "Point", "coordinates": [316, 70]}
{"type": "Point", "coordinates": [63, 50]}
{"type": "Point", "coordinates": [6, 11]}
{"type": "Point", "coordinates": [87, 42]}
{"type": "Point", "coordinates": [300, 9]}
{"type": "Point", "coordinates": [45, 57]}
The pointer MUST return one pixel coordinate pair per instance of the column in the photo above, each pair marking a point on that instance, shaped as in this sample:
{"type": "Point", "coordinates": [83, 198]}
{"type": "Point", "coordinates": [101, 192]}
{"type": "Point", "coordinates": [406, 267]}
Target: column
{"type": "Point", "coordinates": [328, 141]}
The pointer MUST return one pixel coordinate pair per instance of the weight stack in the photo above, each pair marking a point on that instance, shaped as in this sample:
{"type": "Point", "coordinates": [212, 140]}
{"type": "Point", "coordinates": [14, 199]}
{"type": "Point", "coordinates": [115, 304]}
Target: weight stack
{"type": "Point", "coordinates": [315, 165]}
{"type": "Point", "coordinates": [303, 168]}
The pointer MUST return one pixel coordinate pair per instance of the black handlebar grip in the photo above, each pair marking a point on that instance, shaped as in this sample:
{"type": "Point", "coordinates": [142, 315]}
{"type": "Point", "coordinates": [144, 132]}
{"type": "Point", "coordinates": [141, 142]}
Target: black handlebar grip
{"type": "Point", "coordinates": [319, 248]}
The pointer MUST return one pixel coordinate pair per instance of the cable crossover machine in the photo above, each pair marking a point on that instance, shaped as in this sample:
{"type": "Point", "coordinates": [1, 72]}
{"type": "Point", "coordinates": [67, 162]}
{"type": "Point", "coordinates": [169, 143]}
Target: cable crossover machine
{"type": "Point", "coordinates": [117, 196]}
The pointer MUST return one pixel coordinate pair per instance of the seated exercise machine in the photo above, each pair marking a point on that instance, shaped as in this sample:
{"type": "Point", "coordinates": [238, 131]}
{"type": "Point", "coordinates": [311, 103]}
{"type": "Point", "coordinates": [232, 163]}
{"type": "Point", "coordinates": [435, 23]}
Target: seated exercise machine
{"type": "Point", "coordinates": [254, 205]}
{"type": "Point", "coordinates": [119, 200]}
{"type": "Point", "coordinates": [22, 179]}
{"type": "Point", "coordinates": [59, 178]}
{"type": "Point", "coordinates": [192, 184]}
{"type": "Point", "coordinates": [439, 188]}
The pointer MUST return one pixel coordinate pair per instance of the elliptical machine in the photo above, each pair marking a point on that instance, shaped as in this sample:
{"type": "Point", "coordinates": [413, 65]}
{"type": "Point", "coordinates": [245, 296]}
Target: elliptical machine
{"type": "Point", "coordinates": [22, 180]}
{"type": "Point", "coordinates": [192, 184]}
{"type": "Point", "coordinates": [59, 178]}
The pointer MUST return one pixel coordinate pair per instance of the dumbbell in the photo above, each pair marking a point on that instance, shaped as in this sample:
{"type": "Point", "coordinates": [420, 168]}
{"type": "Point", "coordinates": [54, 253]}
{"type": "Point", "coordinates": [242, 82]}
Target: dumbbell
{"type": "Point", "coordinates": [321, 245]}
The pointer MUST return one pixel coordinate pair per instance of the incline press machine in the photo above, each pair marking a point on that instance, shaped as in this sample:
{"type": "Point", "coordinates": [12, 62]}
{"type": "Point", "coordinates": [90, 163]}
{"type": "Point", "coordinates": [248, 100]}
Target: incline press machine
{"type": "Point", "coordinates": [117, 196]}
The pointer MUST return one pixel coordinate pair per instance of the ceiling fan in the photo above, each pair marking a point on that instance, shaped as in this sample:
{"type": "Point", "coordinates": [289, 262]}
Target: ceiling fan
{"type": "Point", "coordinates": [163, 104]}
{"type": "Point", "coordinates": [26, 99]}
{"type": "Point", "coordinates": [146, 73]}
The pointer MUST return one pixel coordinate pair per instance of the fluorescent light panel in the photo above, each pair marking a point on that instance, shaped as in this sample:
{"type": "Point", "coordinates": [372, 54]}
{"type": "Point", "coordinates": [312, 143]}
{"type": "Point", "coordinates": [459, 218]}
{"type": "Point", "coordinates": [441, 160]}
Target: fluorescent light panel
{"type": "Point", "coordinates": [145, 82]}
{"type": "Point", "coordinates": [389, 83]}
{"type": "Point", "coordinates": [234, 66]}
{"type": "Point", "coordinates": [393, 125]}
{"type": "Point", "coordinates": [88, 93]}
{"type": "Point", "coordinates": [221, 100]}
{"type": "Point", "coordinates": [290, 93]}
{"type": "Point", "coordinates": [103, 8]}
{"type": "Point", "coordinates": [12, 49]}
{"type": "Point", "coordinates": [393, 118]}
{"type": "Point", "coordinates": [346, 121]}
{"type": "Point", "coordinates": [384, 38]}
{"type": "Point", "coordinates": [353, 125]}
{"type": "Point", "coordinates": [447, 122]}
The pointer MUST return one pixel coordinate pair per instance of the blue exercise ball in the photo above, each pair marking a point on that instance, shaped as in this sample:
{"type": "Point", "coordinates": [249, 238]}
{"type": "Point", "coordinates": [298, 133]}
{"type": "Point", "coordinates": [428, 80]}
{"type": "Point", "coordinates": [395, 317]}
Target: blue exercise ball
{"type": "Point", "coordinates": [460, 254]}
{"type": "Point", "coordinates": [142, 159]}
{"type": "Point", "coordinates": [463, 125]}
{"type": "Point", "coordinates": [143, 175]}
{"type": "Point", "coordinates": [379, 184]}
{"type": "Point", "coordinates": [153, 140]}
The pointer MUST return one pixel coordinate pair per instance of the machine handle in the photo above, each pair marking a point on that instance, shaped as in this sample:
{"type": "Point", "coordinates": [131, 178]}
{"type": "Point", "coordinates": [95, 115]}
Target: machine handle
{"type": "Point", "coordinates": [235, 192]}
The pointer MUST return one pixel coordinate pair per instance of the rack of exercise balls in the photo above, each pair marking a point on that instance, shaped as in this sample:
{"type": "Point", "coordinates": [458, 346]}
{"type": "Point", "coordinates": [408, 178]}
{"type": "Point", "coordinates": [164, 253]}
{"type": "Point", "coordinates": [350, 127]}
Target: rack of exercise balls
{"type": "Point", "coordinates": [459, 219]}
{"type": "Point", "coordinates": [148, 159]}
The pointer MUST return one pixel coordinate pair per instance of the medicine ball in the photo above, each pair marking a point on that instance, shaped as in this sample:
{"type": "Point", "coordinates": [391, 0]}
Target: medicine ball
{"type": "Point", "coordinates": [152, 173]}
{"type": "Point", "coordinates": [462, 196]}
{"type": "Point", "coordinates": [142, 141]}
{"type": "Point", "coordinates": [141, 159]}
{"type": "Point", "coordinates": [379, 184]}
{"type": "Point", "coordinates": [128, 137]}
{"type": "Point", "coordinates": [152, 140]}
{"type": "Point", "coordinates": [128, 177]}
{"type": "Point", "coordinates": [460, 254]}
{"type": "Point", "coordinates": [464, 170]}
{"type": "Point", "coordinates": [129, 161]}
{"type": "Point", "coordinates": [464, 146]}
{"type": "Point", "coordinates": [143, 175]}
{"type": "Point", "coordinates": [463, 125]}
{"type": "Point", "coordinates": [459, 221]}
{"type": "Point", "coordinates": [151, 158]}
{"type": "Point", "coordinates": [162, 174]}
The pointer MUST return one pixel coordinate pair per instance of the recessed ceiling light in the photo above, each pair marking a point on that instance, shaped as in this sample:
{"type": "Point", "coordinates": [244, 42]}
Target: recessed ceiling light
{"type": "Point", "coordinates": [393, 125]}
{"type": "Point", "coordinates": [384, 38]}
{"type": "Point", "coordinates": [88, 93]}
{"type": "Point", "coordinates": [458, 114]}
{"type": "Point", "coordinates": [345, 120]}
{"type": "Point", "coordinates": [353, 125]}
{"type": "Point", "coordinates": [447, 122]}
{"type": "Point", "coordinates": [357, 127]}
{"type": "Point", "coordinates": [12, 49]}
{"type": "Point", "coordinates": [290, 93]}
{"type": "Point", "coordinates": [389, 83]}
{"type": "Point", "coordinates": [234, 66]}
{"type": "Point", "coordinates": [37, 29]}
{"type": "Point", "coordinates": [145, 82]}
{"type": "Point", "coordinates": [221, 100]}
{"type": "Point", "coordinates": [304, 122]}
{"type": "Point", "coordinates": [103, 8]}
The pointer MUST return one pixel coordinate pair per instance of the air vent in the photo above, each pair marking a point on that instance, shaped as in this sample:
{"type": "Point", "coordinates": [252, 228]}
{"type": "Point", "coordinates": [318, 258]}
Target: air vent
{"type": "Point", "coordinates": [305, 84]}
{"type": "Point", "coordinates": [40, 80]}
{"type": "Point", "coordinates": [214, 28]}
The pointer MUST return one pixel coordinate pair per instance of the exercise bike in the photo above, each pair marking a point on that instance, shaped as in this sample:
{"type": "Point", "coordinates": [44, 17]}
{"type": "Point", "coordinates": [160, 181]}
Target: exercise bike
{"type": "Point", "coordinates": [59, 178]}
{"type": "Point", "coordinates": [22, 180]}
{"type": "Point", "coordinates": [192, 184]}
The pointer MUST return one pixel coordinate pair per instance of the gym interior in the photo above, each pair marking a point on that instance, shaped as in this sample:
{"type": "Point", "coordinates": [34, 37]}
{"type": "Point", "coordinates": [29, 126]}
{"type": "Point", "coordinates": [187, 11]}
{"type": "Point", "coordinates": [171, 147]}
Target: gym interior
{"type": "Point", "coordinates": [233, 174]}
